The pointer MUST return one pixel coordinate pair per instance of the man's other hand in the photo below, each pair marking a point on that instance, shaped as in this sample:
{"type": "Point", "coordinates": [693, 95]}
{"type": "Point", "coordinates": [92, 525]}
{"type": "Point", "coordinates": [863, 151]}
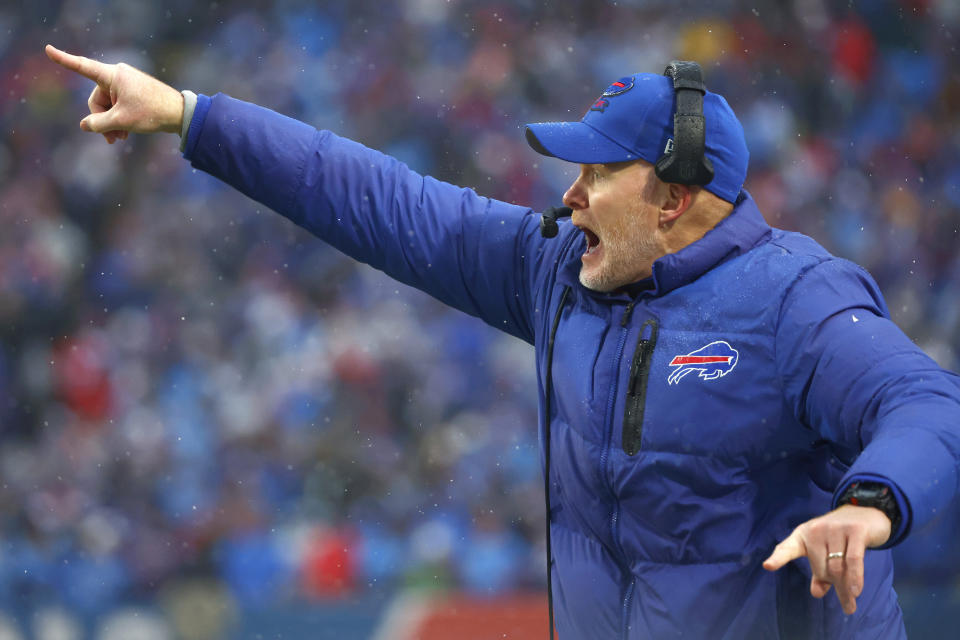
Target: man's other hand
{"type": "Point", "coordinates": [125, 99]}
{"type": "Point", "coordinates": [849, 531]}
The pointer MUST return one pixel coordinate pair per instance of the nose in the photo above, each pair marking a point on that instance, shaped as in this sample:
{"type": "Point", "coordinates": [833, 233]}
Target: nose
{"type": "Point", "coordinates": [576, 195]}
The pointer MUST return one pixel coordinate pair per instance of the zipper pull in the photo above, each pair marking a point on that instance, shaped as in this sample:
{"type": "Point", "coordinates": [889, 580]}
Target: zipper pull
{"type": "Point", "coordinates": [643, 352]}
{"type": "Point", "coordinates": [646, 331]}
{"type": "Point", "coordinates": [627, 312]}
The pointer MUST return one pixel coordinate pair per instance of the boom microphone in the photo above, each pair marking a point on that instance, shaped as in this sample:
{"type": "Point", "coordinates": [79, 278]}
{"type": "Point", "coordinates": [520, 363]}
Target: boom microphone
{"type": "Point", "coordinates": [548, 220]}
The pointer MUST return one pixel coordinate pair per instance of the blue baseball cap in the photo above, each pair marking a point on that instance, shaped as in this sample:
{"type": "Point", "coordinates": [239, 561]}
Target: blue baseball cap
{"type": "Point", "coordinates": [633, 119]}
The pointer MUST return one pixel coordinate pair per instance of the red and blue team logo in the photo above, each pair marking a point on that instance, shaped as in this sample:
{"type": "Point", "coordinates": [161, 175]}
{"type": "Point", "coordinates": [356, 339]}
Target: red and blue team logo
{"type": "Point", "coordinates": [600, 105]}
{"type": "Point", "coordinates": [713, 361]}
{"type": "Point", "coordinates": [620, 86]}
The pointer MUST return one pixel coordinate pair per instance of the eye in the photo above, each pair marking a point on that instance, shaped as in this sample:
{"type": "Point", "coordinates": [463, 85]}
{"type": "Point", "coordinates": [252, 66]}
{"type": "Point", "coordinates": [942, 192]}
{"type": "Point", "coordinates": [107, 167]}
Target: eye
{"type": "Point", "coordinates": [592, 174]}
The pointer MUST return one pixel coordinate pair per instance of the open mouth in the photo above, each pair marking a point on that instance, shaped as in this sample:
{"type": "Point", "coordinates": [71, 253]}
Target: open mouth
{"type": "Point", "coordinates": [592, 240]}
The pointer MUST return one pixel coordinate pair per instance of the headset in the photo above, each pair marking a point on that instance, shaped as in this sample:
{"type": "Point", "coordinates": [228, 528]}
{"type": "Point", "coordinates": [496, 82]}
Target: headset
{"type": "Point", "coordinates": [683, 162]}
{"type": "Point", "coordinates": [688, 163]}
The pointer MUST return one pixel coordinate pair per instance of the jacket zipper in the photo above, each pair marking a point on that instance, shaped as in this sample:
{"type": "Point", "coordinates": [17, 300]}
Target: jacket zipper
{"type": "Point", "coordinates": [611, 404]}
{"type": "Point", "coordinates": [637, 387]}
{"type": "Point", "coordinates": [612, 398]}
{"type": "Point", "coordinates": [627, 601]}
{"type": "Point", "coordinates": [607, 441]}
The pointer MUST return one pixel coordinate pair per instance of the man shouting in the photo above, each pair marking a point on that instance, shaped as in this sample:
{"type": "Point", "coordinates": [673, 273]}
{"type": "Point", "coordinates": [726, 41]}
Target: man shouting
{"type": "Point", "coordinates": [731, 425]}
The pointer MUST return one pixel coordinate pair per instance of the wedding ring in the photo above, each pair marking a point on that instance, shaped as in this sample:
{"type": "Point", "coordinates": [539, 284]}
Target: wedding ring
{"type": "Point", "coordinates": [834, 554]}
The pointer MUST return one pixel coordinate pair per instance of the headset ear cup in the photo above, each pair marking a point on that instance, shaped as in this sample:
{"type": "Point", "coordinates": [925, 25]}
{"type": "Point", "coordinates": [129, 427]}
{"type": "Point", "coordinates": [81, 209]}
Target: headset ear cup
{"type": "Point", "coordinates": [705, 169]}
{"type": "Point", "coordinates": [697, 170]}
{"type": "Point", "coordinates": [687, 162]}
{"type": "Point", "coordinates": [662, 168]}
{"type": "Point", "coordinates": [664, 165]}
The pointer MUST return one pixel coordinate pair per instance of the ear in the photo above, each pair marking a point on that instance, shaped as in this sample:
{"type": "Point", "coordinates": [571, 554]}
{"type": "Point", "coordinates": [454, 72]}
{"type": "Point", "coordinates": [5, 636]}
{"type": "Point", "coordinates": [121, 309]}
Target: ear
{"type": "Point", "coordinates": [676, 201]}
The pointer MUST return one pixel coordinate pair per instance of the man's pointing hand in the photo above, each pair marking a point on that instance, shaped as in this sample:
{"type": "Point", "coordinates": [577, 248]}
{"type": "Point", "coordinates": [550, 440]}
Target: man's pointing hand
{"type": "Point", "coordinates": [125, 99]}
{"type": "Point", "coordinates": [835, 544]}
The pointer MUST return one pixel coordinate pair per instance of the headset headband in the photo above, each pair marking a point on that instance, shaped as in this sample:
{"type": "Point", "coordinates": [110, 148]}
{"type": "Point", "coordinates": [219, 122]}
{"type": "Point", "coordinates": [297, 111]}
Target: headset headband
{"type": "Point", "coordinates": [686, 162]}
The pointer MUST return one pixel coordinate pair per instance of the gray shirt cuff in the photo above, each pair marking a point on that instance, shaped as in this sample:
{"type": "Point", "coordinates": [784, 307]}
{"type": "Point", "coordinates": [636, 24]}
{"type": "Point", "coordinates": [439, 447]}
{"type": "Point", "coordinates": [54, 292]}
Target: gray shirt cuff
{"type": "Point", "coordinates": [189, 104]}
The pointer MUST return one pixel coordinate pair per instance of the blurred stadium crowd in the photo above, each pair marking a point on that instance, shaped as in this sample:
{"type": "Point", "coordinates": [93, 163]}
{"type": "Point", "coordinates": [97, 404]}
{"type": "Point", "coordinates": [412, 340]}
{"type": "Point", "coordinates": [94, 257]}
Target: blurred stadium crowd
{"type": "Point", "coordinates": [197, 397]}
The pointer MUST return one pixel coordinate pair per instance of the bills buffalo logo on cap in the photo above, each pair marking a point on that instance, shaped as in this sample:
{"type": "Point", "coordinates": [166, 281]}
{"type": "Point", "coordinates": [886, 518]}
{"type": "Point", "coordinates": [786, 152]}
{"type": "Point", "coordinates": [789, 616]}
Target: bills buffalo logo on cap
{"type": "Point", "coordinates": [713, 361]}
{"type": "Point", "coordinates": [620, 86]}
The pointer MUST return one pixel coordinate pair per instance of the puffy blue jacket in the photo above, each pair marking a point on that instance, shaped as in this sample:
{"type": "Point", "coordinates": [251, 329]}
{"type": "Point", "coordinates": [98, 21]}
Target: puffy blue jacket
{"type": "Point", "coordinates": [693, 425]}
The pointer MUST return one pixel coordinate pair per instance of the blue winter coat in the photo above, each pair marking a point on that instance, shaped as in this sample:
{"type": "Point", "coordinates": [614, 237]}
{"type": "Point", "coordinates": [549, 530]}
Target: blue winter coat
{"type": "Point", "coordinates": [693, 426]}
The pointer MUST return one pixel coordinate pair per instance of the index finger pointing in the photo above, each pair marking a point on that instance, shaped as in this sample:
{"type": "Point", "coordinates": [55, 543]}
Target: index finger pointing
{"type": "Point", "coordinates": [96, 71]}
{"type": "Point", "coordinates": [790, 549]}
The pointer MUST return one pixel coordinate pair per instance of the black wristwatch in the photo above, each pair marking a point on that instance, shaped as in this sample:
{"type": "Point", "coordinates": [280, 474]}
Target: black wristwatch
{"type": "Point", "coordinates": [873, 494]}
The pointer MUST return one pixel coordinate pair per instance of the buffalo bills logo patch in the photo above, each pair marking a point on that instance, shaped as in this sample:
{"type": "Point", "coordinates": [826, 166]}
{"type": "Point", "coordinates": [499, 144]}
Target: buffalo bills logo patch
{"type": "Point", "coordinates": [620, 86]}
{"type": "Point", "coordinates": [713, 361]}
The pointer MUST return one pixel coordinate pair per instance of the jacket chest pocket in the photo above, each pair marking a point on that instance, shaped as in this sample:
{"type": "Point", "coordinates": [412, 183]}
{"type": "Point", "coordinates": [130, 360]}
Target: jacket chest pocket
{"type": "Point", "coordinates": [707, 394]}
{"type": "Point", "coordinates": [637, 383]}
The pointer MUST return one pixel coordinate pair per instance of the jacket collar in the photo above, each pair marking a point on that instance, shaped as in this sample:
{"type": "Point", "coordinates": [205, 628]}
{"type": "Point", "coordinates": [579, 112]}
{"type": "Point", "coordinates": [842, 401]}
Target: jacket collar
{"type": "Point", "coordinates": [736, 234]}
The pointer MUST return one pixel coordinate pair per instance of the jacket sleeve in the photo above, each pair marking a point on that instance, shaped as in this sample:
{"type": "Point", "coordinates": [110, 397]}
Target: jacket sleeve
{"type": "Point", "coordinates": [855, 378]}
{"type": "Point", "coordinates": [473, 253]}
